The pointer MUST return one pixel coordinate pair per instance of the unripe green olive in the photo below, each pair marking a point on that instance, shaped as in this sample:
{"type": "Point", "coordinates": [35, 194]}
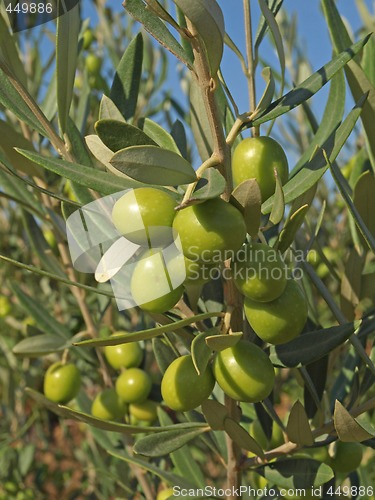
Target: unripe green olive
{"type": "Point", "coordinates": [145, 410]}
{"type": "Point", "coordinates": [182, 388]}
{"type": "Point", "coordinates": [256, 158]}
{"type": "Point", "coordinates": [282, 319]}
{"type": "Point", "coordinates": [93, 64]}
{"type": "Point", "coordinates": [259, 272]}
{"type": "Point", "coordinates": [107, 405]}
{"type": "Point", "coordinates": [126, 355]}
{"type": "Point", "coordinates": [348, 457]}
{"type": "Point", "coordinates": [244, 372]}
{"type": "Point", "coordinates": [210, 232]}
{"type": "Point", "coordinates": [133, 385]}
{"type": "Point", "coordinates": [144, 216]}
{"type": "Point", "coordinates": [153, 285]}
{"type": "Point", "coordinates": [62, 382]}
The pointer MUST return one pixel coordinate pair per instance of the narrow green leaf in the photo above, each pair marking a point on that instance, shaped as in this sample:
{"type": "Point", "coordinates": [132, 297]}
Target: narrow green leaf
{"type": "Point", "coordinates": [207, 18]}
{"type": "Point", "coordinates": [215, 414]}
{"type": "Point", "coordinates": [310, 86]}
{"type": "Point", "coordinates": [302, 473]}
{"type": "Point", "coordinates": [179, 136]}
{"type": "Point", "coordinates": [274, 28]}
{"type": "Point", "coordinates": [317, 166]}
{"type": "Point", "coordinates": [247, 198]}
{"type": "Point", "coordinates": [109, 111]}
{"type": "Point", "coordinates": [364, 200]}
{"type": "Point", "coordinates": [13, 186]}
{"type": "Point", "coordinates": [67, 31]}
{"type": "Point", "coordinates": [159, 135]}
{"type": "Point", "coordinates": [357, 79]}
{"type": "Point", "coordinates": [103, 182]}
{"type": "Point", "coordinates": [165, 442]}
{"type": "Point", "coordinates": [157, 29]}
{"type": "Point", "coordinates": [269, 91]}
{"type": "Point", "coordinates": [163, 352]}
{"type": "Point", "coordinates": [40, 345]}
{"type": "Point", "coordinates": [153, 165]}
{"type": "Point", "coordinates": [10, 139]}
{"type": "Point", "coordinates": [347, 427]}
{"type": "Point", "coordinates": [298, 428]}
{"type": "Point", "coordinates": [40, 246]}
{"type": "Point", "coordinates": [9, 52]}
{"type": "Point", "coordinates": [200, 352]}
{"type": "Point", "coordinates": [367, 235]}
{"type": "Point", "coordinates": [183, 459]}
{"type": "Point", "coordinates": [67, 412]}
{"type": "Point", "coordinates": [230, 43]}
{"type": "Point", "coordinates": [101, 152]}
{"type": "Point", "coordinates": [310, 346]}
{"type": "Point", "coordinates": [11, 99]}
{"type": "Point", "coordinates": [200, 125]}
{"type": "Point", "coordinates": [42, 317]}
{"type": "Point", "coordinates": [167, 477]}
{"type": "Point", "coordinates": [223, 341]}
{"type": "Point", "coordinates": [118, 135]}
{"type": "Point", "coordinates": [291, 226]}
{"type": "Point", "coordinates": [56, 277]}
{"type": "Point", "coordinates": [150, 333]}
{"type": "Point", "coordinates": [263, 27]}
{"type": "Point", "coordinates": [368, 60]}
{"type": "Point", "coordinates": [125, 86]}
{"type": "Point", "coordinates": [241, 437]}
{"type": "Point", "coordinates": [333, 113]}
{"type": "Point", "coordinates": [350, 290]}
{"type": "Point", "coordinates": [278, 206]}
{"type": "Point", "coordinates": [78, 145]}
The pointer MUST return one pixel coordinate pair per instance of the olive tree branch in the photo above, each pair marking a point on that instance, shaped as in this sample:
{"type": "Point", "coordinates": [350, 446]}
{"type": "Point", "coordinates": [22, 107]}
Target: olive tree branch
{"type": "Point", "coordinates": [207, 84]}
{"type": "Point", "coordinates": [289, 448]}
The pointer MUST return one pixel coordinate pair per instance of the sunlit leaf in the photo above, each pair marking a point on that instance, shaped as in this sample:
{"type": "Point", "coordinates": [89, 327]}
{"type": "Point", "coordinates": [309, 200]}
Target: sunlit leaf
{"type": "Point", "coordinates": [40, 345]}
{"type": "Point", "coordinates": [149, 333]}
{"type": "Point", "coordinates": [317, 166]}
{"type": "Point", "coordinates": [118, 135]}
{"type": "Point", "coordinates": [153, 165]}
{"type": "Point", "coordinates": [207, 18]}
{"type": "Point", "coordinates": [167, 441]}
{"type": "Point", "coordinates": [157, 29]}
{"type": "Point", "coordinates": [103, 182]}
{"type": "Point", "coordinates": [310, 86]}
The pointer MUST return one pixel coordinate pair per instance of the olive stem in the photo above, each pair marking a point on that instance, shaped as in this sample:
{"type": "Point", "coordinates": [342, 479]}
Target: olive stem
{"type": "Point", "coordinates": [208, 85]}
{"type": "Point", "coordinates": [210, 162]}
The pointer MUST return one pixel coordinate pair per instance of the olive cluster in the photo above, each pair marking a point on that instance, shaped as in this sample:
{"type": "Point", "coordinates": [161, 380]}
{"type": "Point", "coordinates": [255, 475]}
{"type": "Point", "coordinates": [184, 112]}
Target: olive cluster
{"type": "Point", "coordinates": [129, 398]}
{"type": "Point", "coordinates": [274, 305]}
{"type": "Point", "coordinates": [180, 247]}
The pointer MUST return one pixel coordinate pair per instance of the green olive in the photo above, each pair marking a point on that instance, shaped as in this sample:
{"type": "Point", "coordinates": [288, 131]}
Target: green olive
{"type": "Point", "coordinates": [282, 319]}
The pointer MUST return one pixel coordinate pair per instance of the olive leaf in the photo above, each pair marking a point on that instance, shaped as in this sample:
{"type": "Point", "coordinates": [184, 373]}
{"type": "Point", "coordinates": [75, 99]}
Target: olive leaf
{"type": "Point", "coordinates": [154, 165]}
